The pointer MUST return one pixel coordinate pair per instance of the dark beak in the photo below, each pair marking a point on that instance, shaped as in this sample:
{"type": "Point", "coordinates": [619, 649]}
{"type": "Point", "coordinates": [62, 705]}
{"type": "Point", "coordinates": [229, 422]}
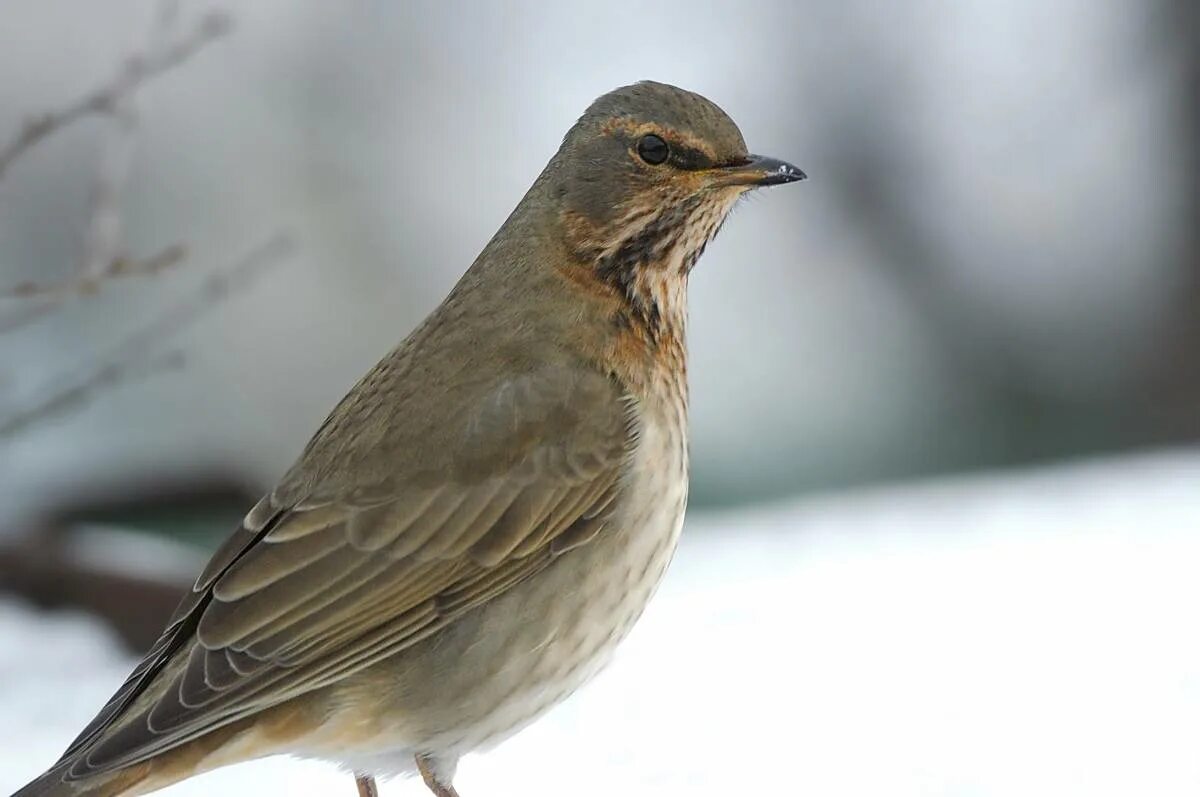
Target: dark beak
{"type": "Point", "coordinates": [759, 170]}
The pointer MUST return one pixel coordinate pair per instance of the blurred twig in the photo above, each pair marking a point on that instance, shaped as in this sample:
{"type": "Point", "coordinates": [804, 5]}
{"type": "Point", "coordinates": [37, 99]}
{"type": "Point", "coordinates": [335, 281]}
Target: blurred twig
{"type": "Point", "coordinates": [104, 256]}
{"type": "Point", "coordinates": [117, 267]}
{"type": "Point", "coordinates": [107, 99]}
{"type": "Point", "coordinates": [139, 353]}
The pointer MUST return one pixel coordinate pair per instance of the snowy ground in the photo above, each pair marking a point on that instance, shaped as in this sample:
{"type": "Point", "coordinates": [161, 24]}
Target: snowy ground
{"type": "Point", "coordinates": [1033, 635]}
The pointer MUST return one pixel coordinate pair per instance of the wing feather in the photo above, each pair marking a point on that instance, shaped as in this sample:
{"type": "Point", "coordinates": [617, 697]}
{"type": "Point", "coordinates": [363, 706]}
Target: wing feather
{"type": "Point", "coordinates": [347, 563]}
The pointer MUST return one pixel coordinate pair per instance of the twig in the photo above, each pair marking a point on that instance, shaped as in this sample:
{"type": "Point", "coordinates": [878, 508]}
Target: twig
{"type": "Point", "coordinates": [103, 251]}
{"type": "Point", "coordinates": [106, 99]}
{"type": "Point", "coordinates": [50, 297]}
{"type": "Point", "coordinates": [138, 354]}
{"type": "Point", "coordinates": [73, 397]}
{"type": "Point", "coordinates": [104, 245]}
{"type": "Point", "coordinates": [87, 284]}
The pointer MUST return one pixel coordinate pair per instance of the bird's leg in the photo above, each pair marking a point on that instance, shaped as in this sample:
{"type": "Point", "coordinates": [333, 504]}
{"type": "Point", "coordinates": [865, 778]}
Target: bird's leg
{"type": "Point", "coordinates": [366, 786]}
{"type": "Point", "coordinates": [424, 766]}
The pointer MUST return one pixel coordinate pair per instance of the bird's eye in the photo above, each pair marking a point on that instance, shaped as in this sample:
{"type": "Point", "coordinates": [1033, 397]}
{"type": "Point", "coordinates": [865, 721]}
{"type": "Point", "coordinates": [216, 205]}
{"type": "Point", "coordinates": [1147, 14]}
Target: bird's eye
{"type": "Point", "coordinates": [653, 149]}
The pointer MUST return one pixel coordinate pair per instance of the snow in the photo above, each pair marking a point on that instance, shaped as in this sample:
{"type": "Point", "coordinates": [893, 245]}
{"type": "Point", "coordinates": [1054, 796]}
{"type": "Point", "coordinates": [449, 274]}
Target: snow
{"type": "Point", "coordinates": [1029, 634]}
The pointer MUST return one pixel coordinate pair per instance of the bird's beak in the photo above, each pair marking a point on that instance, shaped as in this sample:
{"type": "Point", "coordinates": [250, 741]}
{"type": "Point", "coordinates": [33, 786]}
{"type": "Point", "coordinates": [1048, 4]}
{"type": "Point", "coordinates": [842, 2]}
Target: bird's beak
{"type": "Point", "coordinates": [758, 170]}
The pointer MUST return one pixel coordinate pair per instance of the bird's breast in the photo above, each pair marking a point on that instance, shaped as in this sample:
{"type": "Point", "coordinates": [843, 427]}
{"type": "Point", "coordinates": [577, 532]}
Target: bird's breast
{"type": "Point", "coordinates": [591, 598]}
{"type": "Point", "coordinates": [571, 617]}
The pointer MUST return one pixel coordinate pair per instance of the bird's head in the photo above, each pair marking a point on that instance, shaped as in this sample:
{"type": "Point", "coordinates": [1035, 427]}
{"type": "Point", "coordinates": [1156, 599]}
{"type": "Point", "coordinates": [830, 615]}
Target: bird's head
{"type": "Point", "coordinates": [647, 175]}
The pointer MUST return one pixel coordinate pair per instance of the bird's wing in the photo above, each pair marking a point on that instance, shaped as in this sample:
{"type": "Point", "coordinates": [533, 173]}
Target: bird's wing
{"type": "Point", "coordinates": [333, 572]}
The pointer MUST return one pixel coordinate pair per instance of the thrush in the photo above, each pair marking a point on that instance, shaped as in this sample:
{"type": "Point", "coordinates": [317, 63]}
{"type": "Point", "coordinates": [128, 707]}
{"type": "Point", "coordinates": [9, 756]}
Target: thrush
{"type": "Point", "coordinates": [484, 516]}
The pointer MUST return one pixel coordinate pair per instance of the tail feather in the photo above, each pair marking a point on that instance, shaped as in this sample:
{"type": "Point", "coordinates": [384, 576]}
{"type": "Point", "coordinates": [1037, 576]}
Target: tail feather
{"type": "Point", "coordinates": [53, 783]}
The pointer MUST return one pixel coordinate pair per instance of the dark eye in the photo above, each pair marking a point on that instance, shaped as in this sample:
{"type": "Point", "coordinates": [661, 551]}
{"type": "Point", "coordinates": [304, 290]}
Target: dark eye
{"type": "Point", "coordinates": [653, 149]}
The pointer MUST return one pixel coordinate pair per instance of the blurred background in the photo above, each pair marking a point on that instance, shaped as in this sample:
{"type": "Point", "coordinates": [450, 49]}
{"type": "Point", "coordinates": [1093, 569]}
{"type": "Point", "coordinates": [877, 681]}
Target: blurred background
{"type": "Point", "coordinates": [214, 219]}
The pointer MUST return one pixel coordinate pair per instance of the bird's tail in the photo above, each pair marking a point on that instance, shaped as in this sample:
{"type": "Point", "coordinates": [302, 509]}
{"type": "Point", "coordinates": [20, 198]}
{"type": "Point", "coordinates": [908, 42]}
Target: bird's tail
{"type": "Point", "coordinates": [53, 784]}
{"type": "Point", "coordinates": [49, 784]}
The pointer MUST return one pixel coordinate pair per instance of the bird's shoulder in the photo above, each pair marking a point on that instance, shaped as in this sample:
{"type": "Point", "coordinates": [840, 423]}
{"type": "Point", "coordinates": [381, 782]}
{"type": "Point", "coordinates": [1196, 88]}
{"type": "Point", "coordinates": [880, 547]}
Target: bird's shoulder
{"type": "Point", "coordinates": [429, 413]}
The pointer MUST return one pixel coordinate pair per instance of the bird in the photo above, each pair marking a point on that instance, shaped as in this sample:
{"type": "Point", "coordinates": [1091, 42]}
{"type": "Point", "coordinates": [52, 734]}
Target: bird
{"type": "Point", "coordinates": [484, 516]}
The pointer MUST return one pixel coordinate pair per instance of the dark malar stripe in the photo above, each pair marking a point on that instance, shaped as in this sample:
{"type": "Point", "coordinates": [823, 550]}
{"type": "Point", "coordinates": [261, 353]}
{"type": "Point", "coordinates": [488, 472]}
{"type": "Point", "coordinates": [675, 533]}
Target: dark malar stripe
{"type": "Point", "coordinates": [648, 248]}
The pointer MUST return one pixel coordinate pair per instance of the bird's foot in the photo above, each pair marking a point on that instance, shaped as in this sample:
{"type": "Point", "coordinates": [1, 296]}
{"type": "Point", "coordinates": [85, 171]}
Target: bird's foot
{"type": "Point", "coordinates": [426, 767]}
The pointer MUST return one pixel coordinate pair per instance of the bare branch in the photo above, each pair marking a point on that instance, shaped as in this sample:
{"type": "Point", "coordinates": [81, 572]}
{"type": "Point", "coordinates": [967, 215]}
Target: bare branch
{"type": "Point", "coordinates": [139, 353]}
{"type": "Point", "coordinates": [41, 300]}
{"type": "Point", "coordinates": [75, 396]}
{"type": "Point", "coordinates": [104, 247]}
{"type": "Point", "coordinates": [106, 100]}
{"type": "Point", "coordinates": [87, 284]}
{"type": "Point", "coordinates": [104, 255]}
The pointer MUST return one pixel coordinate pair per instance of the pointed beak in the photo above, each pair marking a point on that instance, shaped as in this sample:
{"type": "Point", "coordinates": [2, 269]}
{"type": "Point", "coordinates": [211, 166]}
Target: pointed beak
{"type": "Point", "coordinates": [758, 170]}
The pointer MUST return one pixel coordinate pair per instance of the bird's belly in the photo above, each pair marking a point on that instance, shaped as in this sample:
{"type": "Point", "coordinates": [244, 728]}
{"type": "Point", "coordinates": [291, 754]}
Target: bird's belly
{"type": "Point", "coordinates": [501, 666]}
{"type": "Point", "coordinates": [562, 626]}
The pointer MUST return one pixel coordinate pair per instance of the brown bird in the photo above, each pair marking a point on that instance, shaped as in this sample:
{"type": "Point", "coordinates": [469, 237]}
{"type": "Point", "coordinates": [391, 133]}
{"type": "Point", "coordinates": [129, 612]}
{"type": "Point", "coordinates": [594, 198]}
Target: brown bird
{"type": "Point", "coordinates": [484, 516]}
